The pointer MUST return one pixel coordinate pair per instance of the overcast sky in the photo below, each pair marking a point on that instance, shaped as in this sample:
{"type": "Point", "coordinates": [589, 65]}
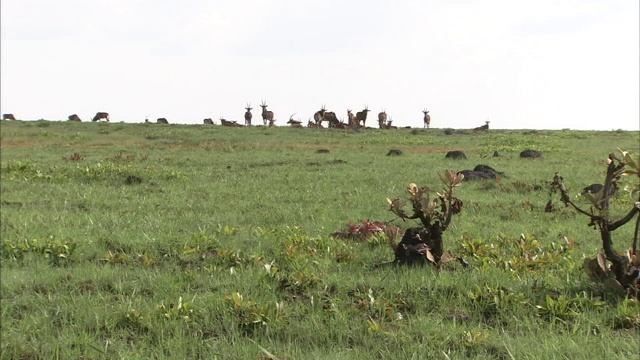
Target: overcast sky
{"type": "Point", "coordinates": [539, 64]}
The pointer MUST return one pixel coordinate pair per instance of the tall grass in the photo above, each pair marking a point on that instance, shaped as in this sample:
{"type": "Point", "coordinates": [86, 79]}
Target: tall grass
{"type": "Point", "coordinates": [189, 241]}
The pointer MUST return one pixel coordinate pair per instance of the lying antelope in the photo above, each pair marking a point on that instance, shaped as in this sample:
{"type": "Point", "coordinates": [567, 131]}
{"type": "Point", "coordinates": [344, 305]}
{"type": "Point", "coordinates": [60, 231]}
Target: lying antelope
{"type": "Point", "coordinates": [362, 116]}
{"type": "Point", "coordinates": [74, 117]}
{"type": "Point", "coordinates": [484, 127]}
{"type": "Point", "coordinates": [267, 116]}
{"type": "Point", "coordinates": [382, 119]}
{"type": "Point", "coordinates": [208, 121]}
{"type": "Point", "coordinates": [101, 115]}
{"type": "Point", "coordinates": [226, 122]}
{"type": "Point", "coordinates": [294, 123]}
{"type": "Point", "coordinates": [427, 118]}
{"type": "Point", "coordinates": [247, 115]}
{"type": "Point", "coordinates": [315, 125]}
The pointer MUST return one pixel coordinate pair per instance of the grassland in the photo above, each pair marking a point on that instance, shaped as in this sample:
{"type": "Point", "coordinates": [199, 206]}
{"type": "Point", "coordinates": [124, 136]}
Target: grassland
{"type": "Point", "coordinates": [189, 241]}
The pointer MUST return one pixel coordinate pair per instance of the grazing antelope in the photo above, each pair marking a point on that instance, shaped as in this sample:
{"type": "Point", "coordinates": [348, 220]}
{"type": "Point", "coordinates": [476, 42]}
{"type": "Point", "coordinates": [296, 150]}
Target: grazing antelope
{"type": "Point", "coordinates": [331, 117]}
{"type": "Point", "coordinates": [74, 117]}
{"type": "Point", "coordinates": [208, 121]}
{"type": "Point", "coordinates": [362, 116]}
{"type": "Point", "coordinates": [352, 119]}
{"type": "Point", "coordinates": [8, 117]}
{"type": "Point", "coordinates": [382, 119]}
{"type": "Point", "coordinates": [484, 127]}
{"type": "Point", "coordinates": [162, 121]}
{"type": "Point", "coordinates": [248, 115]}
{"type": "Point", "coordinates": [266, 115]}
{"type": "Point", "coordinates": [101, 115]}
{"type": "Point", "coordinates": [427, 118]}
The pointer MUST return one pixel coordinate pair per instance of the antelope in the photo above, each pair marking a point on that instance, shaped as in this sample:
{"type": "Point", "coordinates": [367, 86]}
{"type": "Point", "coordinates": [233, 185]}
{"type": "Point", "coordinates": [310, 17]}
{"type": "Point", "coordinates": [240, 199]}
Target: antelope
{"type": "Point", "coordinates": [484, 127]}
{"type": "Point", "coordinates": [314, 125]}
{"type": "Point", "coordinates": [362, 116]}
{"type": "Point", "coordinates": [208, 121]}
{"type": "Point", "coordinates": [232, 123]}
{"type": "Point", "coordinates": [331, 117]}
{"type": "Point", "coordinates": [266, 115]}
{"type": "Point", "coordinates": [162, 121]}
{"type": "Point", "coordinates": [294, 123]}
{"type": "Point", "coordinates": [8, 117]}
{"type": "Point", "coordinates": [382, 119]}
{"type": "Point", "coordinates": [389, 126]}
{"type": "Point", "coordinates": [427, 118]}
{"type": "Point", "coordinates": [101, 115]}
{"type": "Point", "coordinates": [74, 117]}
{"type": "Point", "coordinates": [352, 119]}
{"type": "Point", "coordinates": [248, 115]}
{"type": "Point", "coordinates": [319, 115]}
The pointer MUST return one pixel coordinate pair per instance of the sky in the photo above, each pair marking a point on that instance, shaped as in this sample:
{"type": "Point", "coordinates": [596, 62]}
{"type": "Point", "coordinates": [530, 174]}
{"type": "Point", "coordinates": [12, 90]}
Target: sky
{"type": "Point", "coordinates": [542, 64]}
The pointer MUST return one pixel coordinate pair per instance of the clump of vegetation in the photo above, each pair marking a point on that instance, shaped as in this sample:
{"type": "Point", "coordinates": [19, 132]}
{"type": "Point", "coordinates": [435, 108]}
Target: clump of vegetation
{"type": "Point", "coordinates": [624, 272]}
{"type": "Point", "coordinates": [423, 244]}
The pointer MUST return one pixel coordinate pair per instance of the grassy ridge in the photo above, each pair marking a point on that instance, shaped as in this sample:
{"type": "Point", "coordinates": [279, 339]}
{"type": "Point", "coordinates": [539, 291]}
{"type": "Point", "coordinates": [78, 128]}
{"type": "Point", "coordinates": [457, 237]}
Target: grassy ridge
{"type": "Point", "coordinates": [236, 223]}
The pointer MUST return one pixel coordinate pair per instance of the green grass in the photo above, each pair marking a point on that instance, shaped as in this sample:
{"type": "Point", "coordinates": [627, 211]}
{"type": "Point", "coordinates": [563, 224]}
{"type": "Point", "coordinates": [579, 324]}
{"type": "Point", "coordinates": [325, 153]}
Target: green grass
{"type": "Point", "coordinates": [224, 250]}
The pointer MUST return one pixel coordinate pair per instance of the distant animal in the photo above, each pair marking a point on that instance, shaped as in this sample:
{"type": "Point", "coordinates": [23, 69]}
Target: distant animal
{"type": "Point", "coordinates": [484, 127]}
{"type": "Point", "coordinates": [394, 152]}
{"type": "Point", "coordinates": [8, 117]}
{"type": "Point", "coordinates": [247, 115]}
{"type": "Point", "coordinates": [294, 123]}
{"type": "Point", "coordinates": [318, 117]}
{"type": "Point", "coordinates": [314, 125]}
{"type": "Point", "coordinates": [322, 151]}
{"type": "Point", "coordinates": [361, 116]}
{"type": "Point", "coordinates": [487, 169]}
{"type": "Point", "coordinates": [162, 121]}
{"type": "Point", "coordinates": [267, 115]}
{"type": "Point", "coordinates": [382, 119]}
{"type": "Point", "coordinates": [332, 119]}
{"type": "Point", "coordinates": [496, 154]}
{"type": "Point", "coordinates": [352, 119]}
{"type": "Point", "coordinates": [232, 123]}
{"type": "Point", "coordinates": [101, 115]}
{"type": "Point", "coordinates": [530, 154]}
{"type": "Point", "coordinates": [208, 121]}
{"type": "Point", "coordinates": [455, 154]}
{"type": "Point", "coordinates": [74, 117]}
{"type": "Point", "coordinates": [388, 126]}
{"type": "Point", "coordinates": [476, 175]}
{"type": "Point", "coordinates": [426, 118]}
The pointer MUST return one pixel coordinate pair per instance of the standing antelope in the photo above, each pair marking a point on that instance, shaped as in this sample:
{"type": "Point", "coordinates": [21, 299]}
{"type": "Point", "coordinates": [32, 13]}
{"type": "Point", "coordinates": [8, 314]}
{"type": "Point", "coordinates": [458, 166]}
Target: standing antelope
{"type": "Point", "coordinates": [266, 115]}
{"type": "Point", "coordinates": [319, 115]}
{"type": "Point", "coordinates": [427, 118]}
{"type": "Point", "coordinates": [208, 121]}
{"type": "Point", "coordinates": [101, 115]}
{"type": "Point", "coordinates": [352, 119]}
{"type": "Point", "coordinates": [382, 119]}
{"type": "Point", "coordinates": [248, 115]}
{"type": "Point", "coordinates": [74, 117]}
{"type": "Point", "coordinates": [8, 117]}
{"type": "Point", "coordinates": [362, 116]}
{"type": "Point", "coordinates": [162, 121]}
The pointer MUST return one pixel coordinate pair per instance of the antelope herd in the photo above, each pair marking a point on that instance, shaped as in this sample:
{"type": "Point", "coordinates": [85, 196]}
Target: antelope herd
{"type": "Point", "coordinates": [354, 121]}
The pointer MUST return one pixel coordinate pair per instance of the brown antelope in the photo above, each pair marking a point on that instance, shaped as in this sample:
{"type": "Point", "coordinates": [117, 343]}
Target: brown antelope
{"type": "Point", "coordinates": [8, 117]}
{"type": "Point", "coordinates": [314, 125]}
{"type": "Point", "coordinates": [427, 118]}
{"type": "Point", "coordinates": [352, 119]}
{"type": "Point", "coordinates": [294, 123]}
{"type": "Point", "coordinates": [208, 121]}
{"type": "Point", "coordinates": [389, 126]}
{"type": "Point", "coordinates": [231, 123]}
{"type": "Point", "coordinates": [362, 116]}
{"type": "Point", "coordinates": [331, 117]}
{"type": "Point", "coordinates": [101, 115]}
{"type": "Point", "coordinates": [484, 127]}
{"type": "Point", "coordinates": [248, 115]}
{"type": "Point", "coordinates": [267, 116]}
{"type": "Point", "coordinates": [319, 115]}
{"type": "Point", "coordinates": [74, 117]}
{"type": "Point", "coordinates": [382, 119]}
{"type": "Point", "coordinates": [162, 121]}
